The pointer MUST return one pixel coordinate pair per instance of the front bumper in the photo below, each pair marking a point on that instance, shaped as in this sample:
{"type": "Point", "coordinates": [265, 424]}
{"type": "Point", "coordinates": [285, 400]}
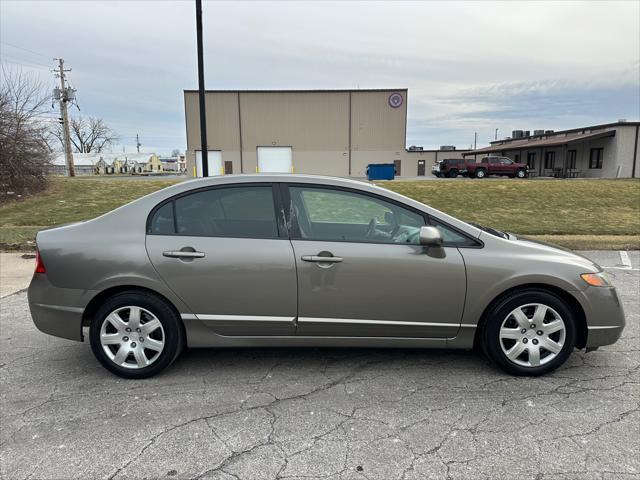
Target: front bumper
{"type": "Point", "coordinates": [605, 315]}
{"type": "Point", "coordinates": [57, 311]}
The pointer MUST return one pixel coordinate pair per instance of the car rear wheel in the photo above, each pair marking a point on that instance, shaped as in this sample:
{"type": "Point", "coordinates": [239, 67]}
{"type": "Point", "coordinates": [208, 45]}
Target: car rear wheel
{"type": "Point", "coordinates": [480, 173]}
{"type": "Point", "coordinates": [529, 332]}
{"type": "Point", "coordinates": [136, 335]}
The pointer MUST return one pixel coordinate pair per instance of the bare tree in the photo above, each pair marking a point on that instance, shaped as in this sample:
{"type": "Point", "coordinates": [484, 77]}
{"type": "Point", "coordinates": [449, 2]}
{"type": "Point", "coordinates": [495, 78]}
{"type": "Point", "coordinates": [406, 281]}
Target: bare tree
{"type": "Point", "coordinates": [176, 152]}
{"type": "Point", "coordinates": [24, 152]}
{"type": "Point", "coordinates": [88, 134]}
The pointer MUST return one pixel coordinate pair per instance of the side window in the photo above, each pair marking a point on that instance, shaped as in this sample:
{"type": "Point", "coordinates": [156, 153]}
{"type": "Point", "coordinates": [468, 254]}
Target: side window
{"type": "Point", "coordinates": [451, 236]}
{"type": "Point", "coordinates": [340, 215]}
{"type": "Point", "coordinates": [162, 221]}
{"type": "Point", "coordinates": [227, 212]}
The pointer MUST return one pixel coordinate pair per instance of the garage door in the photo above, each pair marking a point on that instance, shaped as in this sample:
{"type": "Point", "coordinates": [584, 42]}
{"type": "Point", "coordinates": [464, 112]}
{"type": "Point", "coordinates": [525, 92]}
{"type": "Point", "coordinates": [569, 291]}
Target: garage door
{"type": "Point", "coordinates": [214, 161]}
{"type": "Point", "coordinates": [275, 160]}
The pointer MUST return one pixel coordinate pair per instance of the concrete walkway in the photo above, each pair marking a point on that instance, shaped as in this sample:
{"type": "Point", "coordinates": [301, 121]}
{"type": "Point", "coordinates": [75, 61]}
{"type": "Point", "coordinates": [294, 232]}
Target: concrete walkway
{"type": "Point", "coordinates": [15, 273]}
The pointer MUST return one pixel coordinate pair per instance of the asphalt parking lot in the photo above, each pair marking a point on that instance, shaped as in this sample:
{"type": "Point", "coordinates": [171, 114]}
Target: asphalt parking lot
{"type": "Point", "coordinates": [319, 413]}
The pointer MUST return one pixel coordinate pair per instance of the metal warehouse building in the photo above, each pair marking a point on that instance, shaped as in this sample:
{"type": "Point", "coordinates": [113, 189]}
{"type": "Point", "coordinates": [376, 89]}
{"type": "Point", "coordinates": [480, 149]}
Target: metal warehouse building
{"type": "Point", "coordinates": [330, 132]}
{"type": "Point", "coordinates": [608, 151]}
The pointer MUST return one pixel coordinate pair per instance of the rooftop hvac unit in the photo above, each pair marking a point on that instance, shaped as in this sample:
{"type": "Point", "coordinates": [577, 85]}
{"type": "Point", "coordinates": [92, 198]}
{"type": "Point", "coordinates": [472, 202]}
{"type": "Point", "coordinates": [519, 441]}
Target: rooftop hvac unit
{"type": "Point", "coordinates": [547, 132]}
{"type": "Point", "coordinates": [447, 147]}
{"type": "Point", "coordinates": [517, 133]}
{"type": "Point", "coordinates": [538, 132]}
{"type": "Point", "coordinates": [414, 148]}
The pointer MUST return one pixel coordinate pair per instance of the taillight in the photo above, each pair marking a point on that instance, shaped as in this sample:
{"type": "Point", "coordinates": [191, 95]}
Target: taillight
{"type": "Point", "coordinates": [39, 264]}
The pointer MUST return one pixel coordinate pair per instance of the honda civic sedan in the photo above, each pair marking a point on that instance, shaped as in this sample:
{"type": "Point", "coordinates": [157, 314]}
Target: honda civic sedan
{"type": "Point", "coordinates": [295, 260]}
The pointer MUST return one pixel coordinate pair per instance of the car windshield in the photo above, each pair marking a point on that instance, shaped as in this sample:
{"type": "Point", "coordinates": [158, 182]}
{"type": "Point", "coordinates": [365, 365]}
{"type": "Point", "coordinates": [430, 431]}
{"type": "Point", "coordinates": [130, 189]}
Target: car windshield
{"type": "Point", "coordinates": [492, 231]}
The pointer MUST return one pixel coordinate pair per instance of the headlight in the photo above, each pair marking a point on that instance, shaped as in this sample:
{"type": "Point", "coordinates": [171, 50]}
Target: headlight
{"type": "Point", "coordinates": [596, 279]}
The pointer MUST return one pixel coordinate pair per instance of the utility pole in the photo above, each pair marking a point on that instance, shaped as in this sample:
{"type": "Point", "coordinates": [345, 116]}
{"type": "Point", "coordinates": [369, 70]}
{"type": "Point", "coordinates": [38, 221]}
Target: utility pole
{"type": "Point", "coordinates": [203, 113]}
{"type": "Point", "coordinates": [496, 134]}
{"type": "Point", "coordinates": [475, 146]}
{"type": "Point", "coordinates": [66, 95]}
{"type": "Point", "coordinates": [138, 144]}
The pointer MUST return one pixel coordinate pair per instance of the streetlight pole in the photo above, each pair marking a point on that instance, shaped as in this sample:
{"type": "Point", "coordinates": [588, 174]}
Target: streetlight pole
{"type": "Point", "coordinates": [203, 114]}
{"type": "Point", "coordinates": [475, 147]}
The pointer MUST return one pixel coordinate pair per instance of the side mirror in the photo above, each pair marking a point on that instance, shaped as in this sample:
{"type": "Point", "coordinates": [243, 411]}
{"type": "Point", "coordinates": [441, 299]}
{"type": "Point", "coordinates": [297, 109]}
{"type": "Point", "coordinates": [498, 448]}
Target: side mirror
{"type": "Point", "coordinates": [430, 237]}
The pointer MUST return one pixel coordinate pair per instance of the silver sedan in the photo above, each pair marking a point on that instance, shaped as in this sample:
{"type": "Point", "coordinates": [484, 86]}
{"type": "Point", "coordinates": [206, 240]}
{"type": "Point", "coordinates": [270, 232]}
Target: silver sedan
{"type": "Point", "coordinates": [294, 260]}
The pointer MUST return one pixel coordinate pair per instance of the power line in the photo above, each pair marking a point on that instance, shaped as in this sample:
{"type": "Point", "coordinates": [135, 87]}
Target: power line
{"type": "Point", "coordinates": [25, 63]}
{"type": "Point", "coordinates": [26, 50]}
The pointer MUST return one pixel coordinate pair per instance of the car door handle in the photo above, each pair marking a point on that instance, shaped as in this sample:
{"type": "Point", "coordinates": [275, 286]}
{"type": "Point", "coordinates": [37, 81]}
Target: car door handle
{"type": "Point", "coordinates": [320, 259]}
{"type": "Point", "coordinates": [182, 254]}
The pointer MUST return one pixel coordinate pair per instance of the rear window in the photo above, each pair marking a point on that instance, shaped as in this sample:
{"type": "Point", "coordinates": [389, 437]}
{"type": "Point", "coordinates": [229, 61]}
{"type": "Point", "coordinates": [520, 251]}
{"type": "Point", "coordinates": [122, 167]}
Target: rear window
{"type": "Point", "coordinates": [219, 212]}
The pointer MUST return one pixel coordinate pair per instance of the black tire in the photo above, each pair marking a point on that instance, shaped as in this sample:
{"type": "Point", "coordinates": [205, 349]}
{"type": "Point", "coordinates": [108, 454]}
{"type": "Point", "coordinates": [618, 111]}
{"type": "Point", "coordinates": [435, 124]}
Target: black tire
{"type": "Point", "coordinates": [453, 173]}
{"type": "Point", "coordinates": [491, 342]}
{"type": "Point", "coordinates": [172, 327]}
{"type": "Point", "coordinates": [521, 173]}
{"type": "Point", "coordinates": [480, 173]}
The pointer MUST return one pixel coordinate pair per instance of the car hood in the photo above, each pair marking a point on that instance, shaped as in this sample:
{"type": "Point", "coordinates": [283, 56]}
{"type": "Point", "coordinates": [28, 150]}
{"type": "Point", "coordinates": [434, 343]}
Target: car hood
{"type": "Point", "coordinates": [545, 248]}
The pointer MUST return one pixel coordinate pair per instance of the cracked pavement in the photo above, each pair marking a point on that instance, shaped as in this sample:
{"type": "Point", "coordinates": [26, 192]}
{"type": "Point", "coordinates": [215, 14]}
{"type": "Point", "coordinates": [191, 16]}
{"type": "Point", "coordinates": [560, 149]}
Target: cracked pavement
{"type": "Point", "coordinates": [319, 413]}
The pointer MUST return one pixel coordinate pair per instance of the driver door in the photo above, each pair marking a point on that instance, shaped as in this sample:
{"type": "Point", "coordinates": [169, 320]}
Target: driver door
{"type": "Point", "coordinates": [361, 270]}
{"type": "Point", "coordinates": [505, 166]}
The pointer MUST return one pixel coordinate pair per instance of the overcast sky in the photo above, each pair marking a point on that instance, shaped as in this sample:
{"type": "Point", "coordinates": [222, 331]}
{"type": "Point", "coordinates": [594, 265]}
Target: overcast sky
{"type": "Point", "coordinates": [468, 66]}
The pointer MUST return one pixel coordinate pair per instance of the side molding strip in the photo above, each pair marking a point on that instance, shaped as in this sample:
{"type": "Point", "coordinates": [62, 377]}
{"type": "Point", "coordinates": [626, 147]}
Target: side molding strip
{"type": "Point", "coordinates": [260, 318]}
{"type": "Point", "coordinates": [235, 318]}
{"type": "Point", "coordinates": [382, 322]}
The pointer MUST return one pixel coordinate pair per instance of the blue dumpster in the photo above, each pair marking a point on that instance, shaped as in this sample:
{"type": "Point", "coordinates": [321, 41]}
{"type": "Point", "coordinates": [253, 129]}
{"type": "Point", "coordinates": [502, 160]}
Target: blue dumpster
{"type": "Point", "coordinates": [381, 171]}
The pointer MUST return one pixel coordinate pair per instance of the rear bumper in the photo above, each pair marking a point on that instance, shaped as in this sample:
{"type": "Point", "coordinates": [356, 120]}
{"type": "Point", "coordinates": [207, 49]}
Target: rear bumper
{"type": "Point", "coordinates": [605, 316]}
{"type": "Point", "coordinates": [57, 311]}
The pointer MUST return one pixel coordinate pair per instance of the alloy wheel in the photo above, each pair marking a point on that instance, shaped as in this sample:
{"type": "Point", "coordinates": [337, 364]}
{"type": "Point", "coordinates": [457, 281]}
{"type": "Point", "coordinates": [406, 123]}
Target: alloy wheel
{"type": "Point", "coordinates": [132, 337]}
{"type": "Point", "coordinates": [532, 335]}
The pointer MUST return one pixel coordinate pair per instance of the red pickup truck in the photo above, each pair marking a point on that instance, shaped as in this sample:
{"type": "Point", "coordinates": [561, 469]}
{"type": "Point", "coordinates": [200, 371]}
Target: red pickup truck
{"type": "Point", "coordinates": [496, 166]}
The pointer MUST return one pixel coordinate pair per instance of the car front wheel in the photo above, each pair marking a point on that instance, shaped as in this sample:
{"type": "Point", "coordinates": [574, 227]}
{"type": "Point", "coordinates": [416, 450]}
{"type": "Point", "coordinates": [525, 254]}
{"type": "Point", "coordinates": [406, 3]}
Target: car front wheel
{"type": "Point", "coordinates": [529, 332]}
{"type": "Point", "coordinates": [136, 335]}
{"type": "Point", "coordinates": [453, 173]}
{"type": "Point", "coordinates": [481, 174]}
{"type": "Point", "coordinates": [521, 173]}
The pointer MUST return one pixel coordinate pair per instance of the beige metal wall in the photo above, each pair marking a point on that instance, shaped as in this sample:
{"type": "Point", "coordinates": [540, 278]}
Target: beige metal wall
{"type": "Point", "coordinates": [411, 159]}
{"type": "Point", "coordinates": [316, 124]}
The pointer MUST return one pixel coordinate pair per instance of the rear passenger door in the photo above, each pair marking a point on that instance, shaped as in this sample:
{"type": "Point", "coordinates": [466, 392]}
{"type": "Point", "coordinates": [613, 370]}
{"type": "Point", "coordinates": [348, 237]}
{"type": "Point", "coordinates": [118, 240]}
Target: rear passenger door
{"type": "Point", "coordinates": [224, 252]}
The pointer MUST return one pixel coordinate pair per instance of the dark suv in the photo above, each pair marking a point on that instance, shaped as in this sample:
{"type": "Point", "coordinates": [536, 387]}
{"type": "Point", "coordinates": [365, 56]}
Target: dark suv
{"type": "Point", "coordinates": [448, 167]}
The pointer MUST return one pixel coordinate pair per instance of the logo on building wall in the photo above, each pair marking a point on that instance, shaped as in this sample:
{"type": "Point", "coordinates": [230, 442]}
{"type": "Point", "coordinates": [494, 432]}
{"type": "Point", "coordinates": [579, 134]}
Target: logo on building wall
{"type": "Point", "coordinates": [395, 100]}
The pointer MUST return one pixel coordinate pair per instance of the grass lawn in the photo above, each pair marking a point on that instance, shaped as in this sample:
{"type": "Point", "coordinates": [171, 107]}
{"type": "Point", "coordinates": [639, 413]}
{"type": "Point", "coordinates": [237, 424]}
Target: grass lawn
{"type": "Point", "coordinates": [67, 200]}
{"type": "Point", "coordinates": [579, 214]}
